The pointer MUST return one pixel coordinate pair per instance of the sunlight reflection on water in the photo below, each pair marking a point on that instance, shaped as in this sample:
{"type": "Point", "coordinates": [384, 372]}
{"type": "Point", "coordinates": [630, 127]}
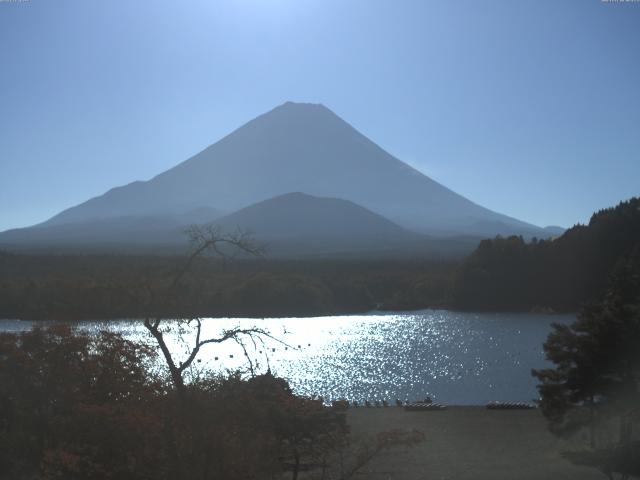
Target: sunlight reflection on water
{"type": "Point", "coordinates": [454, 357]}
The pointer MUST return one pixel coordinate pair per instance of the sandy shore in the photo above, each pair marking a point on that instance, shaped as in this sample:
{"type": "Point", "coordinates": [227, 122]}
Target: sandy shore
{"type": "Point", "coordinates": [467, 443]}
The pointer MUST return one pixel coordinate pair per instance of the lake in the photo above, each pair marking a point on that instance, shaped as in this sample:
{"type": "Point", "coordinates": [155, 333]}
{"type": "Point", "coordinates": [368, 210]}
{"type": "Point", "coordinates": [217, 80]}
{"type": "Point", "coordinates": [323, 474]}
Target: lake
{"type": "Point", "coordinates": [453, 357]}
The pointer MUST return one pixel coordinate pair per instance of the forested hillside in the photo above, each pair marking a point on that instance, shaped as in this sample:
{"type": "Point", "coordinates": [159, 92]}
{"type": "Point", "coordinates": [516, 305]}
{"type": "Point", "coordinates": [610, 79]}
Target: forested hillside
{"type": "Point", "coordinates": [559, 274]}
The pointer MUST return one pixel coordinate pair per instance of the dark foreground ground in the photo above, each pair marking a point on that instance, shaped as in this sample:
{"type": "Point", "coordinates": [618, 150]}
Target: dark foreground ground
{"type": "Point", "coordinates": [467, 443]}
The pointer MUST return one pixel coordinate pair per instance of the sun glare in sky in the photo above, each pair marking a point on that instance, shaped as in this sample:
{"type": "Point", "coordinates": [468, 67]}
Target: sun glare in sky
{"type": "Point", "coordinates": [527, 108]}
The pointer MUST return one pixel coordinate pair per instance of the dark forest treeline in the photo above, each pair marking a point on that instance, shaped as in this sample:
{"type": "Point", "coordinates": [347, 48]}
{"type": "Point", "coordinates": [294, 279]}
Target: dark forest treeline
{"type": "Point", "coordinates": [121, 286]}
{"type": "Point", "coordinates": [501, 274]}
{"type": "Point", "coordinates": [559, 274]}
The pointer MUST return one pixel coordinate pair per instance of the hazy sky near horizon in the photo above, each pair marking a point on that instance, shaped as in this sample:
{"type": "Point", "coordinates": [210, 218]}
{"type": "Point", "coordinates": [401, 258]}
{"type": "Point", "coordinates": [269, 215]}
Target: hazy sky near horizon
{"type": "Point", "coordinates": [530, 108]}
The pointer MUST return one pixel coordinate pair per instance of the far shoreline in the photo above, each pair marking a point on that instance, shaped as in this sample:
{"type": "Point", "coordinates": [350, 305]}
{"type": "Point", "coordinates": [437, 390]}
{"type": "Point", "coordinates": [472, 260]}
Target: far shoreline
{"type": "Point", "coordinates": [300, 315]}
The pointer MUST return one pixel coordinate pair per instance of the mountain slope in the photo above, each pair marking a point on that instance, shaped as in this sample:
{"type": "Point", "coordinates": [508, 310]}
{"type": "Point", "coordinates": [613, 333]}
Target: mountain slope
{"type": "Point", "coordinates": [131, 230]}
{"type": "Point", "coordinates": [294, 225]}
{"type": "Point", "coordinates": [299, 148]}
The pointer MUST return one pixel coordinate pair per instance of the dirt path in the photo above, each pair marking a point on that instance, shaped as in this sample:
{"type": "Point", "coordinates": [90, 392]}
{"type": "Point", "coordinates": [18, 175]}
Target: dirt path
{"type": "Point", "coordinates": [467, 443]}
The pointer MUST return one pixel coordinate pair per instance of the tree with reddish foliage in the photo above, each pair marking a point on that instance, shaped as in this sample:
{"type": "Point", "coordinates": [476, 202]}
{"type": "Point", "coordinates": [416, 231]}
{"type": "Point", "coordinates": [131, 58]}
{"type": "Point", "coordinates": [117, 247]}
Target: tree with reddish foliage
{"type": "Point", "coordinates": [75, 405]}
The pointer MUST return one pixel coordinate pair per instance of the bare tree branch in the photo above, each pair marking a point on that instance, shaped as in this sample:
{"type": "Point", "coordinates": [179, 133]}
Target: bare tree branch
{"type": "Point", "coordinates": [206, 239]}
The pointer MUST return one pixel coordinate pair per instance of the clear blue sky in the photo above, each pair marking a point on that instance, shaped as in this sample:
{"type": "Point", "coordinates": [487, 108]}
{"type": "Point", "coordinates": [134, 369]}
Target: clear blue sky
{"type": "Point", "coordinates": [530, 108]}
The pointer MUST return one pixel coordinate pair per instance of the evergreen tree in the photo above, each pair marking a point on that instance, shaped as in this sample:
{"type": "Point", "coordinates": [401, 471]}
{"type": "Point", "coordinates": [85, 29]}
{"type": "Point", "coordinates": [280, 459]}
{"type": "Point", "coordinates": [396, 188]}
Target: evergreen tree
{"type": "Point", "coordinates": [561, 273]}
{"type": "Point", "coordinates": [597, 358]}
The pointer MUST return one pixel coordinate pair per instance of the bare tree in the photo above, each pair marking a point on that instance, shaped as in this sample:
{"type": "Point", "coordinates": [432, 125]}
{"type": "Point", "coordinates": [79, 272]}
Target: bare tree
{"type": "Point", "coordinates": [207, 239]}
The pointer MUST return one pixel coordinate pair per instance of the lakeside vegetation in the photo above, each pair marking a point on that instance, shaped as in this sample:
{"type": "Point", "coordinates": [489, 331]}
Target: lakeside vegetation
{"type": "Point", "coordinates": [104, 287]}
{"type": "Point", "coordinates": [560, 274]}
{"type": "Point", "coordinates": [76, 406]}
{"type": "Point", "coordinates": [594, 383]}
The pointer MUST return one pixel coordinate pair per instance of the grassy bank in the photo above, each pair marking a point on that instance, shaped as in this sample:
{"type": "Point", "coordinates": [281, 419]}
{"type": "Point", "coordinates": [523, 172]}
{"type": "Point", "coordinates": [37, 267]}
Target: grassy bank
{"type": "Point", "coordinates": [467, 443]}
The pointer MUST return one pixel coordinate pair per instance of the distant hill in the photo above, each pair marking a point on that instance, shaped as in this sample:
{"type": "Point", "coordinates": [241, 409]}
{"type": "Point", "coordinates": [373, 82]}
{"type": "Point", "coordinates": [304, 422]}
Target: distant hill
{"type": "Point", "coordinates": [300, 224]}
{"type": "Point", "coordinates": [300, 148]}
{"type": "Point", "coordinates": [301, 215]}
{"type": "Point", "coordinates": [509, 273]}
{"type": "Point", "coordinates": [290, 225]}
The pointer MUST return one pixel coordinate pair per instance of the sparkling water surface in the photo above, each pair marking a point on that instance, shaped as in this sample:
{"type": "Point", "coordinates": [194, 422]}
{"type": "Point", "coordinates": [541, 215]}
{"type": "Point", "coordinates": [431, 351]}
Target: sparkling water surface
{"type": "Point", "coordinates": [453, 357]}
